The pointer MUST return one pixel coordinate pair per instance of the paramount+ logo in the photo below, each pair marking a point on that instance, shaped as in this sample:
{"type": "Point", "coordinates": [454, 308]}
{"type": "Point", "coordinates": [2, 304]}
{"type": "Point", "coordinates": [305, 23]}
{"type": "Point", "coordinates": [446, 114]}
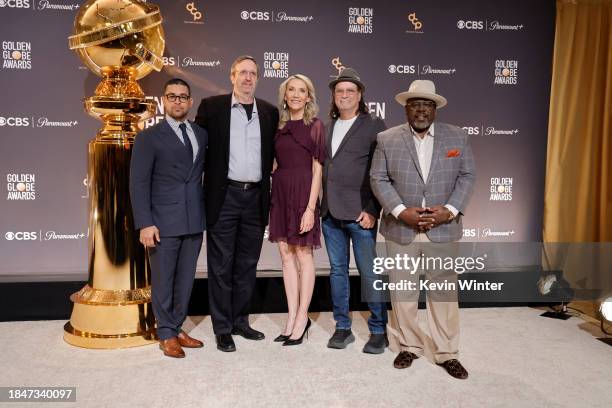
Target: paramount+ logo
{"type": "Point", "coordinates": [255, 15]}
{"type": "Point", "coordinates": [21, 236]}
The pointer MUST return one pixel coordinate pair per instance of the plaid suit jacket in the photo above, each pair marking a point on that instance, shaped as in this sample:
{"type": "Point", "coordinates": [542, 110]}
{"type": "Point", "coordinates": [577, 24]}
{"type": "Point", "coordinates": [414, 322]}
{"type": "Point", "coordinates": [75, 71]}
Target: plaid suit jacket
{"type": "Point", "coordinates": [395, 177]}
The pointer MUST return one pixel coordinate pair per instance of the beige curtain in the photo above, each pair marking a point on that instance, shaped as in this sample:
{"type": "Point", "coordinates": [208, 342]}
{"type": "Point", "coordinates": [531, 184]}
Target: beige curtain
{"type": "Point", "coordinates": [578, 191]}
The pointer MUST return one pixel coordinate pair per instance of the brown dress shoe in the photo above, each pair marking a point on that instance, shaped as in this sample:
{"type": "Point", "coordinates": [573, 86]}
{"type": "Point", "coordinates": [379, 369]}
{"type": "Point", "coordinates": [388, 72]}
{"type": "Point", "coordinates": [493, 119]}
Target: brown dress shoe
{"type": "Point", "coordinates": [187, 341]}
{"type": "Point", "coordinates": [404, 359]}
{"type": "Point", "coordinates": [171, 348]}
{"type": "Point", "coordinates": [454, 368]}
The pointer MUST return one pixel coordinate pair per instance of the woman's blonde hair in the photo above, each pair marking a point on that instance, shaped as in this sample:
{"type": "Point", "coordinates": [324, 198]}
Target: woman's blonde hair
{"type": "Point", "coordinates": [310, 110]}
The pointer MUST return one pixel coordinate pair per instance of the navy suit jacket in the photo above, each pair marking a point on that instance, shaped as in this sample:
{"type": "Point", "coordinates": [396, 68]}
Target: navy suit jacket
{"type": "Point", "coordinates": [165, 183]}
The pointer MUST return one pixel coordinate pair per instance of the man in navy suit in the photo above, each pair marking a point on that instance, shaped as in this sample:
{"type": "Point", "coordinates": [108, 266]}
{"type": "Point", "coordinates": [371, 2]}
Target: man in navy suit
{"type": "Point", "coordinates": [168, 204]}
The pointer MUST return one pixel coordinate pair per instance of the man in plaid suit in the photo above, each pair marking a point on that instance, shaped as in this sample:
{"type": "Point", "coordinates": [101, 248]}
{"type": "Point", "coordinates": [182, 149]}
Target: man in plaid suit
{"type": "Point", "coordinates": [423, 176]}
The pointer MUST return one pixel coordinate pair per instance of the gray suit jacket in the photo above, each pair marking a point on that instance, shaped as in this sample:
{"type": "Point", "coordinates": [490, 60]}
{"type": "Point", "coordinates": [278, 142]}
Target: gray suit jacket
{"type": "Point", "coordinates": [396, 179]}
{"type": "Point", "coordinates": [346, 181]}
{"type": "Point", "coordinates": [165, 186]}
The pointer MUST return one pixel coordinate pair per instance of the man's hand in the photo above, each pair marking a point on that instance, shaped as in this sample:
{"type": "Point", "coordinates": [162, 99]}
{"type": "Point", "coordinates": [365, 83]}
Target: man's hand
{"type": "Point", "coordinates": [366, 220]}
{"type": "Point", "coordinates": [440, 215]}
{"type": "Point", "coordinates": [149, 236]}
{"type": "Point", "coordinates": [417, 217]}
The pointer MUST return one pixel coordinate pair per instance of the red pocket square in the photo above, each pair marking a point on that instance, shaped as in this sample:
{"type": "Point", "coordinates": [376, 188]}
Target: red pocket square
{"type": "Point", "coordinates": [453, 153]}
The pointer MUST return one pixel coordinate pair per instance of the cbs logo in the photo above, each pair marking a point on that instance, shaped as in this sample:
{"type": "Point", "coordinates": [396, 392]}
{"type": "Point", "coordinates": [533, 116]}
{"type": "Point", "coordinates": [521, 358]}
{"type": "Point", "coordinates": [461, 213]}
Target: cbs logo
{"type": "Point", "coordinates": [169, 61]}
{"type": "Point", "coordinates": [472, 130]}
{"type": "Point", "coordinates": [469, 233]}
{"type": "Point", "coordinates": [14, 122]}
{"type": "Point", "coordinates": [15, 3]}
{"type": "Point", "coordinates": [470, 25]}
{"type": "Point", "coordinates": [255, 15]}
{"type": "Point", "coordinates": [21, 236]}
{"type": "Point", "coordinates": [402, 69]}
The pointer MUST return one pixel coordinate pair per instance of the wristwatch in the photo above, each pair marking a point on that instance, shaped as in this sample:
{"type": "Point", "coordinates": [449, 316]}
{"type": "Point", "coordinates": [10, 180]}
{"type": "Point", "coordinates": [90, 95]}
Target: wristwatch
{"type": "Point", "coordinates": [451, 216]}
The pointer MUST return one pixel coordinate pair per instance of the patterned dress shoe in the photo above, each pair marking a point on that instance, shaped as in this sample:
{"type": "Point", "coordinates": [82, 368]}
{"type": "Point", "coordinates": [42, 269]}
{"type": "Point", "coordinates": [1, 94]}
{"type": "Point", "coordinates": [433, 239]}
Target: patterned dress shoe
{"type": "Point", "coordinates": [248, 333]}
{"type": "Point", "coordinates": [187, 341]}
{"type": "Point", "coordinates": [404, 359]}
{"type": "Point", "coordinates": [454, 368]}
{"type": "Point", "coordinates": [171, 348]}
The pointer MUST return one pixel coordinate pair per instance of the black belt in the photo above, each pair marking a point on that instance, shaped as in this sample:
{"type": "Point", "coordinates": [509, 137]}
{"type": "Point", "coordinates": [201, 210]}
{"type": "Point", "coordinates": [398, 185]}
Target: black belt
{"type": "Point", "coordinates": [244, 185]}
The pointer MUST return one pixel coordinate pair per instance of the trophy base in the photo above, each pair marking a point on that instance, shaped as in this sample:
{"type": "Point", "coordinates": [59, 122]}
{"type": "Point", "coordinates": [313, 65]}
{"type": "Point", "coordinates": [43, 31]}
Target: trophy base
{"type": "Point", "coordinates": [103, 325]}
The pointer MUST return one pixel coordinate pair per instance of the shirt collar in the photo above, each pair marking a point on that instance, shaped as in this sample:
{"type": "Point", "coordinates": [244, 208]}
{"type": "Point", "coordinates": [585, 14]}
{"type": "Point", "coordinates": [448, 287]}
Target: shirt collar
{"type": "Point", "coordinates": [174, 124]}
{"type": "Point", "coordinates": [235, 103]}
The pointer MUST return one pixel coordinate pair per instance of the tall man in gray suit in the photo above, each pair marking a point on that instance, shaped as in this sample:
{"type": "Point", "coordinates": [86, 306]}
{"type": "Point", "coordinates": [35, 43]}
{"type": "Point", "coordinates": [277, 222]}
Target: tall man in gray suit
{"type": "Point", "coordinates": [423, 175]}
{"type": "Point", "coordinates": [168, 205]}
{"type": "Point", "coordinates": [349, 209]}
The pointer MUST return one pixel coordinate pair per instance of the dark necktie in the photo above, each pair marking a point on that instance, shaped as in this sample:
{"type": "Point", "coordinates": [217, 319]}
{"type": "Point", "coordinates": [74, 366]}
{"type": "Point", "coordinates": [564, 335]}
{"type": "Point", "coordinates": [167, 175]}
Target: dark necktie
{"type": "Point", "coordinates": [186, 140]}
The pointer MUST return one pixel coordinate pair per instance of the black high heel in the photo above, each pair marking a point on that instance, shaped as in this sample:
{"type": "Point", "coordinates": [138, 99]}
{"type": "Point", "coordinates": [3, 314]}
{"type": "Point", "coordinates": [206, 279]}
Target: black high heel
{"type": "Point", "coordinates": [282, 337]}
{"type": "Point", "coordinates": [295, 342]}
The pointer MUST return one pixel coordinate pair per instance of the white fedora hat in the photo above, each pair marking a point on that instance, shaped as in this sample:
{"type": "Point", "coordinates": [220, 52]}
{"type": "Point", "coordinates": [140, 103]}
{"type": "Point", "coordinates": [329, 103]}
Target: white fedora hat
{"type": "Point", "coordinates": [421, 88]}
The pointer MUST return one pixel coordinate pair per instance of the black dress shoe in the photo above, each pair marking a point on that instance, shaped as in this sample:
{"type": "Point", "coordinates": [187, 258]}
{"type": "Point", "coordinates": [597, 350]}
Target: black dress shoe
{"type": "Point", "coordinates": [454, 368]}
{"type": "Point", "coordinates": [282, 337]}
{"type": "Point", "coordinates": [248, 333]}
{"type": "Point", "coordinates": [225, 342]}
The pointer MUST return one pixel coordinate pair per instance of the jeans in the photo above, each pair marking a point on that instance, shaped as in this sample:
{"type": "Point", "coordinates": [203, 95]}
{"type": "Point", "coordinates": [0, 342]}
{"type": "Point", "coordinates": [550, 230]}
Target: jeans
{"type": "Point", "coordinates": [338, 235]}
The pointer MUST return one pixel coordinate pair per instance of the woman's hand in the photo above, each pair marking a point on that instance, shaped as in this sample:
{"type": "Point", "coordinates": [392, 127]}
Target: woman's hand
{"type": "Point", "coordinates": [307, 221]}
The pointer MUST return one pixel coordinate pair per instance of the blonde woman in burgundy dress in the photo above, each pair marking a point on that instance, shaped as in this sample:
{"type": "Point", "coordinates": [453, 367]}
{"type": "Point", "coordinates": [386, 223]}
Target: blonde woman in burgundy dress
{"type": "Point", "coordinates": [299, 149]}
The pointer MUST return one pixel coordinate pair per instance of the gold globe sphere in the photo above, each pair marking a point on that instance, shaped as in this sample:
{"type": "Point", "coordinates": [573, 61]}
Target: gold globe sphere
{"type": "Point", "coordinates": [119, 34]}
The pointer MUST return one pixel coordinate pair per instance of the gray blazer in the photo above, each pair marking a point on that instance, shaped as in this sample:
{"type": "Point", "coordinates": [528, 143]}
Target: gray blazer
{"type": "Point", "coordinates": [165, 186]}
{"type": "Point", "coordinates": [346, 182]}
{"type": "Point", "coordinates": [396, 179]}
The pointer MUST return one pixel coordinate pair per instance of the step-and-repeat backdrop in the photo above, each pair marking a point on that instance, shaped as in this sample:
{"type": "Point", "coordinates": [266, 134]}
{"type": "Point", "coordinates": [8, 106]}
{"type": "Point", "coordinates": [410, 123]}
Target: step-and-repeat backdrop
{"type": "Point", "coordinates": [490, 59]}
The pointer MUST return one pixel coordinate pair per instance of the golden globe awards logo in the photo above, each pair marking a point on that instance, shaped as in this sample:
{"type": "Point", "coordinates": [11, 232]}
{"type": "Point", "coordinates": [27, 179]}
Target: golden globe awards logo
{"type": "Point", "coordinates": [360, 20]}
{"type": "Point", "coordinates": [501, 189]}
{"type": "Point", "coordinates": [276, 64]}
{"type": "Point", "coordinates": [16, 55]}
{"type": "Point", "coordinates": [506, 72]}
{"type": "Point", "coordinates": [21, 186]}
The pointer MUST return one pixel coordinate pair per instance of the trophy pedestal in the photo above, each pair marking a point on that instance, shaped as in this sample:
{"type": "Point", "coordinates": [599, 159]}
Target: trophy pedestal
{"type": "Point", "coordinates": [110, 319]}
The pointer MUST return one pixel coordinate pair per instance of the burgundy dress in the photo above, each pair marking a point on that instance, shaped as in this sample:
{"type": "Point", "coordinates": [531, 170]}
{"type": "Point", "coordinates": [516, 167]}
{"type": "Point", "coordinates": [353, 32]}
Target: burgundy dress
{"type": "Point", "coordinates": [295, 145]}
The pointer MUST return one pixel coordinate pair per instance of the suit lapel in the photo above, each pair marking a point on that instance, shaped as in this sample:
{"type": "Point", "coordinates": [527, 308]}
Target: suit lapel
{"type": "Point", "coordinates": [225, 118]}
{"type": "Point", "coordinates": [408, 139]}
{"type": "Point", "coordinates": [352, 130]}
{"type": "Point", "coordinates": [330, 135]}
{"type": "Point", "coordinates": [437, 154]}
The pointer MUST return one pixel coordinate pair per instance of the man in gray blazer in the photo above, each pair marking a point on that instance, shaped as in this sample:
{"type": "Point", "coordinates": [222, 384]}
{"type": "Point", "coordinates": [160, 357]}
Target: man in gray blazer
{"type": "Point", "coordinates": [423, 175]}
{"type": "Point", "coordinates": [168, 205]}
{"type": "Point", "coordinates": [349, 209]}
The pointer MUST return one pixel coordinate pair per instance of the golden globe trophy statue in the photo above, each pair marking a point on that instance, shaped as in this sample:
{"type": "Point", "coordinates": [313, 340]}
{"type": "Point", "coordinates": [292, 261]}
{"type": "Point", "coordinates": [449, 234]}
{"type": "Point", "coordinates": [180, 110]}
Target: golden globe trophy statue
{"type": "Point", "coordinates": [121, 41]}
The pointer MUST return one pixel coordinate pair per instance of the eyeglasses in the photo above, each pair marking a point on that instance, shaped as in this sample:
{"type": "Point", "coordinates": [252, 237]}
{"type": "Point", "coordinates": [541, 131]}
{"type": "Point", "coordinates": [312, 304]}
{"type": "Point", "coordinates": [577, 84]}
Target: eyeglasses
{"type": "Point", "coordinates": [421, 104]}
{"type": "Point", "coordinates": [349, 92]}
{"type": "Point", "coordinates": [181, 98]}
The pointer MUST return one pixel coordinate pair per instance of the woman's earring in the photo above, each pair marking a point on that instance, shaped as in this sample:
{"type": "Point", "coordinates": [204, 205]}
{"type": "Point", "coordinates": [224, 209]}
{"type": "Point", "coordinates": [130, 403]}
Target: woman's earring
{"type": "Point", "coordinates": [284, 105]}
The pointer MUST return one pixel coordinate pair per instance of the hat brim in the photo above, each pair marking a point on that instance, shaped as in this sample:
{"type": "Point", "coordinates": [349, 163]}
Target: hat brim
{"type": "Point", "coordinates": [333, 83]}
{"type": "Point", "coordinates": [402, 97]}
